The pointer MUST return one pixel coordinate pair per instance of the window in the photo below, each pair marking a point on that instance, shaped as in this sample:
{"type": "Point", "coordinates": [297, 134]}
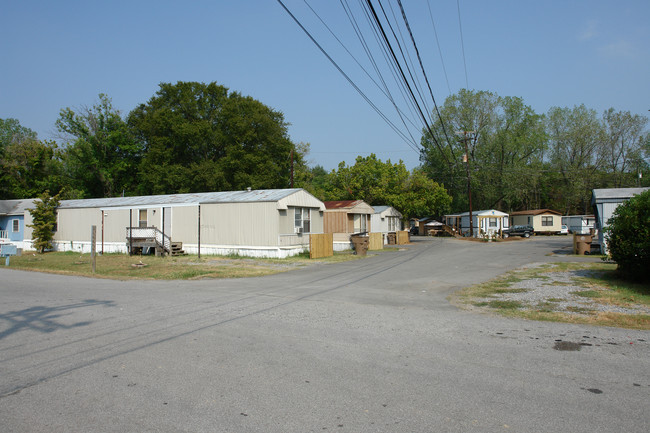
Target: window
{"type": "Point", "coordinates": [15, 226]}
{"type": "Point", "coordinates": [142, 218]}
{"type": "Point", "coordinates": [492, 222]}
{"type": "Point", "coordinates": [302, 219]}
{"type": "Point", "coordinates": [360, 223]}
{"type": "Point", "coordinates": [547, 221]}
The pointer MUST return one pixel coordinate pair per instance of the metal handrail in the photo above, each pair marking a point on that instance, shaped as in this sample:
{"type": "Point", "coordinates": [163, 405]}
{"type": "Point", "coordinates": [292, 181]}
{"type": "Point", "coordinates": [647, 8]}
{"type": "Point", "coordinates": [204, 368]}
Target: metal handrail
{"type": "Point", "coordinates": [161, 239]}
{"type": "Point", "coordinates": [4, 234]}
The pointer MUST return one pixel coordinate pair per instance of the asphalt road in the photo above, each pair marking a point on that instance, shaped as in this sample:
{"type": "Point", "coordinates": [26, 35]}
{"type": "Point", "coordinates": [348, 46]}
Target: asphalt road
{"type": "Point", "coordinates": [364, 346]}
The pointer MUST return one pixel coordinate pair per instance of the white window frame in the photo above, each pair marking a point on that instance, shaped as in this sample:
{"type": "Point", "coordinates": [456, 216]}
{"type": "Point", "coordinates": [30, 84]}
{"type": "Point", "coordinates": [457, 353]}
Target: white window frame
{"type": "Point", "coordinates": [15, 225]}
{"type": "Point", "coordinates": [547, 221]}
{"type": "Point", "coordinates": [140, 220]}
{"type": "Point", "coordinates": [302, 219]}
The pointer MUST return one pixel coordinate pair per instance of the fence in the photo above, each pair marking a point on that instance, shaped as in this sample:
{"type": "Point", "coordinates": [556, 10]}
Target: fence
{"type": "Point", "coordinates": [376, 241]}
{"type": "Point", "coordinates": [402, 237]}
{"type": "Point", "coordinates": [321, 245]}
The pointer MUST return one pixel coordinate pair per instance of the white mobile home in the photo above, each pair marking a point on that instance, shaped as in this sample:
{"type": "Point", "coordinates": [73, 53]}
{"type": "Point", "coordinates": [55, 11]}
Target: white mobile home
{"type": "Point", "coordinates": [386, 219]}
{"type": "Point", "coordinates": [579, 224]}
{"type": "Point", "coordinates": [604, 203]}
{"type": "Point", "coordinates": [257, 223]}
{"type": "Point", "coordinates": [487, 223]}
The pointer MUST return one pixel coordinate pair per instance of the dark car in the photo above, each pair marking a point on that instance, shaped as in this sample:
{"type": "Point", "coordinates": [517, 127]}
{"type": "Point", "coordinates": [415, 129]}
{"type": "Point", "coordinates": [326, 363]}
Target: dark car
{"type": "Point", "coordinates": [524, 231]}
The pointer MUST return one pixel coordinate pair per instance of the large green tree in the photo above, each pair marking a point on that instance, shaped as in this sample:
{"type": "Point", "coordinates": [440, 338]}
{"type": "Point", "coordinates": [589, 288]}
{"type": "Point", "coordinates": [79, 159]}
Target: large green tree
{"type": "Point", "coordinates": [386, 183]}
{"type": "Point", "coordinates": [202, 137]}
{"type": "Point", "coordinates": [28, 166]}
{"type": "Point", "coordinates": [494, 141]}
{"type": "Point", "coordinates": [100, 156]}
{"type": "Point", "coordinates": [576, 139]}
{"type": "Point", "coordinates": [626, 145]}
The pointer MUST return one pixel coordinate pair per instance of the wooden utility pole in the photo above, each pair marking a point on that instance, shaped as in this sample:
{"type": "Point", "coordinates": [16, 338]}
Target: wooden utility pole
{"type": "Point", "coordinates": [469, 179]}
{"type": "Point", "coordinates": [291, 168]}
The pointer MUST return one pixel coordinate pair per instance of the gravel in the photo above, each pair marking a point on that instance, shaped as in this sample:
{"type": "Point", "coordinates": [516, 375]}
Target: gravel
{"type": "Point", "coordinates": [557, 291]}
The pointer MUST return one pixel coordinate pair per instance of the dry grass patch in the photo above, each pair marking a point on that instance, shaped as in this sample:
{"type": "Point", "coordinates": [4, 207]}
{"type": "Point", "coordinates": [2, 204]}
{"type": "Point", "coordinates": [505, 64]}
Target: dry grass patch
{"type": "Point", "coordinates": [124, 267]}
{"type": "Point", "coordinates": [596, 287]}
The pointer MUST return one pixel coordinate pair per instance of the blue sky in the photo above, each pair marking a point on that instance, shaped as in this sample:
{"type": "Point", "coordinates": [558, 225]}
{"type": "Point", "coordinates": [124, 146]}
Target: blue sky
{"type": "Point", "coordinates": [552, 53]}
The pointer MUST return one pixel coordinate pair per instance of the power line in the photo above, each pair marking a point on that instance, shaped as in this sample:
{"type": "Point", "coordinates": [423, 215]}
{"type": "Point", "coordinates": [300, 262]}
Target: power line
{"type": "Point", "coordinates": [462, 44]}
{"type": "Point", "coordinates": [346, 76]}
{"type": "Point", "coordinates": [435, 33]}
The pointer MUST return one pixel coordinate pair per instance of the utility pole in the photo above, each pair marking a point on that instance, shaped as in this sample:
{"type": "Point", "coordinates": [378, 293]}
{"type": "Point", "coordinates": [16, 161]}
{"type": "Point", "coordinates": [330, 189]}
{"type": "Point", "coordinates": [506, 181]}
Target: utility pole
{"type": "Point", "coordinates": [291, 168]}
{"type": "Point", "coordinates": [469, 180]}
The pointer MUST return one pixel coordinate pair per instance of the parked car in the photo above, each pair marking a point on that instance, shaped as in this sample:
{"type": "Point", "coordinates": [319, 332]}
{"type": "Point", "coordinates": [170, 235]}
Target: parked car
{"type": "Point", "coordinates": [564, 230]}
{"type": "Point", "coordinates": [523, 231]}
{"type": "Point", "coordinates": [414, 231]}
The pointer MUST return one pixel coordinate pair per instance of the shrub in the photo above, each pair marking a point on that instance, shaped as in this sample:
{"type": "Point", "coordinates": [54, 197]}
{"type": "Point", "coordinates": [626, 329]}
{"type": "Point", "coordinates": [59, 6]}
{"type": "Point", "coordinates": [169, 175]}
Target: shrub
{"type": "Point", "coordinates": [628, 237]}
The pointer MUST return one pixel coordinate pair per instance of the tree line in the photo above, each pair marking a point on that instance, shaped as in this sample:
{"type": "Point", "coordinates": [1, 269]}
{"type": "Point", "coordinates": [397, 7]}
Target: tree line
{"type": "Point", "coordinates": [196, 137]}
{"type": "Point", "coordinates": [517, 159]}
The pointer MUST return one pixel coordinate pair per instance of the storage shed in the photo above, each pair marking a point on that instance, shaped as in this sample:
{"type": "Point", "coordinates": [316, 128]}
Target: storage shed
{"type": "Point", "coordinates": [604, 203]}
{"type": "Point", "coordinates": [345, 217]}
{"type": "Point", "coordinates": [255, 223]}
{"type": "Point", "coordinates": [543, 221]}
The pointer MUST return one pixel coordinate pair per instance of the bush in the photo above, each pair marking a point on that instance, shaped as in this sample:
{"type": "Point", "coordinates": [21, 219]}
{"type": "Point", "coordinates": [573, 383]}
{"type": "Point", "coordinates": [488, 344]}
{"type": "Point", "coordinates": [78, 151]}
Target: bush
{"type": "Point", "coordinates": [628, 237]}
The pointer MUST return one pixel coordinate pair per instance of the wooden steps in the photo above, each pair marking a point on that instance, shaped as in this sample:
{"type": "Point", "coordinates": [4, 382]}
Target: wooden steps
{"type": "Point", "coordinates": [177, 249]}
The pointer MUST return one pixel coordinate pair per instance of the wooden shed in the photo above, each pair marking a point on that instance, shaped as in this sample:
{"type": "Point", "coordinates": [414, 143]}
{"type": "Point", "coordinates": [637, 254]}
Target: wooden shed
{"type": "Point", "coordinates": [255, 223]}
{"type": "Point", "coordinates": [543, 221]}
{"type": "Point", "coordinates": [344, 218]}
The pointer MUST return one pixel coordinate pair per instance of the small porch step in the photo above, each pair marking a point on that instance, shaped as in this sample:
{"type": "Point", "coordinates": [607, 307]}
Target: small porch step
{"type": "Point", "coordinates": [177, 249]}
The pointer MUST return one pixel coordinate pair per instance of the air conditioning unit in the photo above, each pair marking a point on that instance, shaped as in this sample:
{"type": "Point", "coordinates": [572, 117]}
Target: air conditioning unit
{"type": "Point", "coordinates": [298, 230]}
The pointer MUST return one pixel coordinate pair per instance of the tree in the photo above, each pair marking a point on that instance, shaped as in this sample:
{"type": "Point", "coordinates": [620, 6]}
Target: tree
{"type": "Point", "coordinates": [12, 134]}
{"type": "Point", "coordinates": [625, 144]}
{"type": "Point", "coordinates": [628, 237]}
{"type": "Point", "coordinates": [385, 183]}
{"type": "Point", "coordinates": [201, 137]}
{"type": "Point", "coordinates": [101, 155]}
{"type": "Point", "coordinates": [576, 139]}
{"type": "Point", "coordinates": [30, 167]}
{"type": "Point", "coordinates": [44, 221]}
{"type": "Point", "coordinates": [504, 139]}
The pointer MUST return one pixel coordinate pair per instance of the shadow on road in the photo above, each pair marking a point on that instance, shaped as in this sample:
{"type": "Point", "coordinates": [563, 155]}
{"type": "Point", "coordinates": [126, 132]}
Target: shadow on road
{"type": "Point", "coordinates": [45, 319]}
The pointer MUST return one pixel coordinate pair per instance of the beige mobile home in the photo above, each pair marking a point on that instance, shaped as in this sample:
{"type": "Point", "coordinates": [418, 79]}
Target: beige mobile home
{"type": "Point", "coordinates": [257, 223]}
{"type": "Point", "coordinates": [543, 221]}
{"type": "Point", "coordinates": [345, 217]}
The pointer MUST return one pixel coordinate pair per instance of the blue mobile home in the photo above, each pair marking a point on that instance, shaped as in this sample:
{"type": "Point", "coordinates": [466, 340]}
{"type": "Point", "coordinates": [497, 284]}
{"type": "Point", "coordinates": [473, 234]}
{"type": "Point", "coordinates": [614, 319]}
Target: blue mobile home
{"type": "Point", "coordinates": [12, 221]}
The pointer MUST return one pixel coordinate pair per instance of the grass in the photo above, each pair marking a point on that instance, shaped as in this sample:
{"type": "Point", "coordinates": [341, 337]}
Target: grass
{"type": "Point", "coordinates": [124, 267]}
{"type": "Point", "coordinates": [601, 284]}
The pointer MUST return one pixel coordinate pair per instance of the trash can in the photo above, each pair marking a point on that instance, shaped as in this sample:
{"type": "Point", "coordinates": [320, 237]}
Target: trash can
{"type": "Point", "coordinates": [360, 244]}
{"type": "Point", "coordinates": [582, 244]}
{"type": "Point", "coordinates": [391, 238]}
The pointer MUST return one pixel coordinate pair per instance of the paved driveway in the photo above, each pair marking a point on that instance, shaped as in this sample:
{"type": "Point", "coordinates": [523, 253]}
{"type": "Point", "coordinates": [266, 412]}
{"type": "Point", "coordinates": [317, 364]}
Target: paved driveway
{"type": "Point", "coordinates": [364, 346]}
